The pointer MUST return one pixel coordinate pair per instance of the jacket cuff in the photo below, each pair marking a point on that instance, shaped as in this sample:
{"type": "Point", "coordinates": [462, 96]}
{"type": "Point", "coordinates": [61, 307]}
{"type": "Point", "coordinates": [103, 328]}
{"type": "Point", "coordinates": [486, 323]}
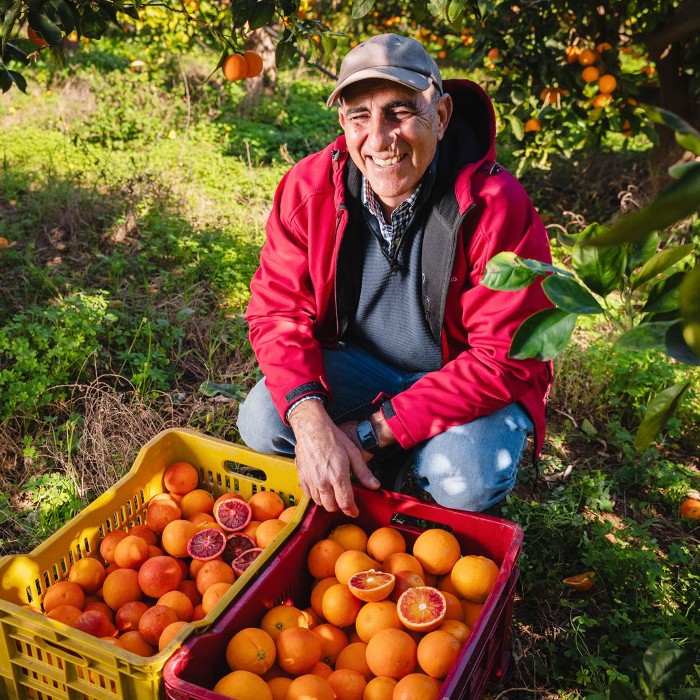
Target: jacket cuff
{"type": "Point", "coordinates": [397, 427]}
{"type": "Point", "coordinates": [309, 390]}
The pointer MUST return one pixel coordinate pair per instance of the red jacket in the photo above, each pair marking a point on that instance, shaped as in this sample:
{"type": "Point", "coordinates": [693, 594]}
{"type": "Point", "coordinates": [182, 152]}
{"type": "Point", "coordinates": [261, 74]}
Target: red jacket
{"type": "Point", "coordinates": [303, 291]}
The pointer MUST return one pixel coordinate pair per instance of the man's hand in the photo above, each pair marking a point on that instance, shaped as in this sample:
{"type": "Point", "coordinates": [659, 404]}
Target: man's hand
{"type": "Point", "coordinates": [326, 457]}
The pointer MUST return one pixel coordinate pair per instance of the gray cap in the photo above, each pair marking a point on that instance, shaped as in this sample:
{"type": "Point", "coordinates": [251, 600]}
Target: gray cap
{"type": "Point", "coordinates": [399, 59]}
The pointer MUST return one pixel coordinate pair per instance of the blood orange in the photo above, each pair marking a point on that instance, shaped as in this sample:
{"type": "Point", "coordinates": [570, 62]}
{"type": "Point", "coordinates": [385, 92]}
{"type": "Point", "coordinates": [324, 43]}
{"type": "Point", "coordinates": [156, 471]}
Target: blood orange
{"type": "Point", "coordinates": [244, 560]}
{"type": "Point", "coordinates": [371, 586]}
{"type": "Point", "coordinates": [422, 608]}
{"type": "Point", "coordinates": [206, 544]}
{"type": "Point", "coordinates": [232, 514]}
{"type": "Point", "coordinates": [236, 544]}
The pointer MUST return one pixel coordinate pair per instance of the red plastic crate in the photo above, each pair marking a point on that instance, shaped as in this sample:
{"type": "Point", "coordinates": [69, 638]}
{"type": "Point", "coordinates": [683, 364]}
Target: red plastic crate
{"type": "Point", "coordinates": [193, 670]}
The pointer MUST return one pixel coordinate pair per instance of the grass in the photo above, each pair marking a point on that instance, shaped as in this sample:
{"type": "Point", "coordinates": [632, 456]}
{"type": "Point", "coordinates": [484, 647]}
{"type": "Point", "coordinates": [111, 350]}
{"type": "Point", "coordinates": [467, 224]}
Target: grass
{"type": "Point", "coordinates": [133, 219]}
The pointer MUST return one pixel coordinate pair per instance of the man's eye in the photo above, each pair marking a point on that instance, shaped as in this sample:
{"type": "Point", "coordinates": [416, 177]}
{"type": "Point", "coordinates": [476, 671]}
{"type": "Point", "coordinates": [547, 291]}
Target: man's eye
{"type": "Point", "coordinates": [400, 114]}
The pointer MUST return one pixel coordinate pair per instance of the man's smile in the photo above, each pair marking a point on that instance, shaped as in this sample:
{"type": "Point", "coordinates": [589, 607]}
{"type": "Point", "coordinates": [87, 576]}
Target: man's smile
{"type": "Point", "coordinates": [385, 162]}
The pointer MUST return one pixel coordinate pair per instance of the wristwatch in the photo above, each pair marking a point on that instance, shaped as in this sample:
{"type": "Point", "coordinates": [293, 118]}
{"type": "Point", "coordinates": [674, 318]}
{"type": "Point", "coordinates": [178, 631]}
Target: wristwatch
{"type": "Point", "coordinates": [367, 437]}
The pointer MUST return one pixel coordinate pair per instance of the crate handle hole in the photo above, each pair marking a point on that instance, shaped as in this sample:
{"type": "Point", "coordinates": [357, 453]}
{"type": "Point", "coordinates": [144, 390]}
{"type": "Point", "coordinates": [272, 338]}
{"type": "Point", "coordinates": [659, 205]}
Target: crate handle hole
{"type": "Point", "coordinates": [415, 524]}
{"type": "Point", "coordinates": [245, 470]}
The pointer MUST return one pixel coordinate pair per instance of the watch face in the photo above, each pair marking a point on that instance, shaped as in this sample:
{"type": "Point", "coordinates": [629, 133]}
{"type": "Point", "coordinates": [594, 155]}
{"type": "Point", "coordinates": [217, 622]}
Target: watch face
{"type": "Point", "coordinates": [367, 436]}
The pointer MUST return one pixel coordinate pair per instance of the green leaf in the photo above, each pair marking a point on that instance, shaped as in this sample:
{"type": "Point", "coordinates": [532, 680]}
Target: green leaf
{"type": "Point", "coordinates": [6, 81]}
{"type": "Point", "coordinates": [568, 295]}
{"type": "Point", "coordinates": [12, 53]}
{"type": "Point", "coordinates": [516, 126]}
{"type": "Point", "coordinates": [664, 295]}
{"type": "Point", "coordinates": [659, 410]}
{"type": "Point", "coordinates": [543, 335]}
{"type": "Point", "coordinates": [360, 8]}
{"type": "Point", "coordinates": [92, 24]}
{"type": "Point", "coordinates": [622, 690]}
{"type": "Point", "coordinates": [230, 391]}
{"type": "Point", "coordinates": [679, 169]}
{"type": "Point", "coordinates": [285, 53]}
{"type": "Point", "coordinates": [687, 694]}
{"type": "Point", "coordinates": [600, 268]}
{"type": "Point", "coordinates": [678, 348]}
{"type": "Point", "coordinates": [641, 251]}
{"type": "Point", "coordinates": [67, 14]}
{"type": "Point", "coordinates": [666, 664]}
{"type": "Point", "coordinates": [261, 15]}
{"type": "Point", "coordinates": [687, 136]}
{"type": "Point", "coordinates": [455, 11]}
{"type": "Point", "coordinates": [18, 80]}
{"type": "Point", "coordinates": [660, 263]}
{"type": "Point", "coordinates": [677, 201]}
{"type": "Point", "coordinates": [645, 336]}
{"type": "Point", "coordinates": [542, 268]}
{"type": "Point", "coordinates": [689, 304]}
{"type": "Point", "coordinates": [241, 11]}
{"type": "Point", "coordinates": [43, 25]}
{"type": "Point", "coordinates": [436, 7]}
{"type": "Point", "coordinates": [504, 273]}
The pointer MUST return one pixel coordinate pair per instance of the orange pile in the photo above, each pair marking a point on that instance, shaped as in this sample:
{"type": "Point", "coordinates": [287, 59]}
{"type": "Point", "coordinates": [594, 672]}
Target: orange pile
{"type": "Point", "coordinates": [172, 569]}
{"type": "Point", "coordinates": [385, 621]}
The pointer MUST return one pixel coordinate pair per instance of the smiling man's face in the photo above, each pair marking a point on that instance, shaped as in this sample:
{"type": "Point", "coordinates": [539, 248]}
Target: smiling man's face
{"type": "Point", "coordinates": [392, 134]}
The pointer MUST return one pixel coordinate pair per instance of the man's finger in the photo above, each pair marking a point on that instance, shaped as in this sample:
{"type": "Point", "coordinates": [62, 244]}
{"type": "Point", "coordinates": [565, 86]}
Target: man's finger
{"type": "Point", "coordinates": [364, 474]}
{"type": "Point", "coordinates": [328, 500]}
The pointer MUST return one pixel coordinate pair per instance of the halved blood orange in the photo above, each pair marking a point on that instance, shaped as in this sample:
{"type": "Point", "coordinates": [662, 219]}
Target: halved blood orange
{"type": "Point", "coordinates": [422, 608]}
{"type": "Point", "coordinates": [371, 586]}
{"type": "Point", "coordinates": [206, 544]}
{"type": "Point", "coordinates": [580, 582]}
{"type": "Point", "coordinates": [236, 544]}
{"type": "Point", "coordinates": [244, 560]}
{"type": "Point", "coordinates": [232, 514]}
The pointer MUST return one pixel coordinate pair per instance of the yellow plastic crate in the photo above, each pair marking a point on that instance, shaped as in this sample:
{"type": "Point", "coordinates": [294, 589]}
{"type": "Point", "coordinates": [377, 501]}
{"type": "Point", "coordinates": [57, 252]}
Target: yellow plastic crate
{"type": "Point", "coordinates": [47, 660]}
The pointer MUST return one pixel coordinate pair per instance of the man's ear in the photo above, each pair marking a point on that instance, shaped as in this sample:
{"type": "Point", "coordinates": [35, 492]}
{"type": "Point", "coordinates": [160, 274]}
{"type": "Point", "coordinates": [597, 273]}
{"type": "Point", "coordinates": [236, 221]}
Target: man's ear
{"type": "Point", "coordinates": [444, 113]}
{"type": "Point", "coordinates": [341, 118]}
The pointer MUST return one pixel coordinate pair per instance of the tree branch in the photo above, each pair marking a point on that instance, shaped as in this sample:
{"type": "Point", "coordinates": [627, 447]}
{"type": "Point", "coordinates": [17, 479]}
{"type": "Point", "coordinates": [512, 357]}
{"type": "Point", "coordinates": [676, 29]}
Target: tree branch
{"type": "Point", "coordinates": [684, 22]}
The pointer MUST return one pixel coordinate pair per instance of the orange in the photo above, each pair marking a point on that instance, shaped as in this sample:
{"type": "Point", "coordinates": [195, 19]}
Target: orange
{"type": "Point", "coordinates": [350, 536]}
{"type": "Point", "coordinates": [133, 641]}
{"type": "Point", "coordinates": [437, 653]}
{"type": "Point", "coordinates": [255, 63]}
{"type": "Point", "coordinates": [243, 685]}
{"type": "Point", "coordinates": [374, 617]}
{"type": "Point", "coordinates": [298, 650]}
{"type": "Point", "coordinates": [444, 584]}
{"type": "Point", "coordinates": [351, 562]}
{"type": "Point", "coordinates": [318, 591]}
{"type": "Point", "coordinates": [347, 684]}
{"type": "Point", "coordinates": [88, 573]}
{"type": "Point", "coordinates": [312, 619]}
{"type": "Point", "coordinates": [251, 528]}
{"type": "Point", "coordinates": [422, 608]}
{"type": "Point", "coordinates": [279, 687]}
{"type": "Point", "coordinates": [214, 571]}
{"type": "Point", "coordinates": [180, 478]}
{"type": "Point", "coordinates": [572, 53]}
{"type": "Point", "coordinates": [601, 100]}
{"type": "Point", "coordinates": [580, 582]}
{"type": "Point", "coordinates": [607, 84]}
{"type": "Point", "coordinates": [35, 38]}
{"type": "Point", "coordinates": [121, 586]}
{"type": "Point", "coordinates": [287, 514]}
{"type": "Point", "coordinates": [385, 541]}
{"type": "Point", "coordinates": [179, 602]}
{"type": "Point", "coordinates": [176, 535]}
{"type": "Point", "coordinates": [203, 518]}
{"type": "Point", "coordinates": [437, 550]}
{"type": "Point", "coordinates": [474, 576]}
{"type": "Point", "coordinates": [213, 595]}
{"type": "Point", "coordinates": [380, 688]}
{"type": "Point", "coordinates": [371, 586]}
{"type": "Point", "coordinates": [339, 606]}
{"type": "Point", "coordinates": [169, 633]}
{"type": "Point", "coordinates": [144, 531]}
{"type": "Point", "coordinates": [391, 653]}
{"type": "Point", "coordinates": [310, 687]}
{"type": "Point", "coordinates": [268, 530]}
{"type": "Point", "coordinates": [532, 125]}
{"type": "Point", "coordinates": [417, 686]}
{"type": "Point", "coordinates": [590, 74]}
{"type": "Point", "coordinates": [281, 617]}
{"type": "Point", "coordinates": [189, 588]}
{"type": "Point", "coordinates": [690, 508]}
{"type": "Point", "coordinates": [198, 613]}
{"type": "Point", "coordinates": [109, 542]}
{"type": "Point", "coordinates": [454, 606]}
{"type": "Point", "coordinates": [333, 641]}
{"type": "Point", "coordinates": [472, 611]}
{"type": "Point", "coordinates": [265, 505]}
{"type": "Point", "coordinates": [131, 552]}
{"type": "Point", "coordinates": [154, 621]}
{"type": "Point", "coordinates": [403, 580]}
{"type": "Point", "coordinates": [159, 575]}
{"type": "Point", "coordinates": [63, 593]}
{"type": "Point", "coordinates": [68, 614]}
{"type": "Point", "coordinates": [128, 615]}
{"type": "Point", "coordinates": [195, 502]}
{"type": "Point", "coordinates": [161, 512]}
{"type": "Point", "coordinates": [402, 561]}
{"type": "Point", "coordinates": [457, 629]}
{"type": "Point", "coordinates": [322, 558]}
{"type": "Point", "coordinates": [587, 57]}
{"type": "Point", "coordinates": [251, 649]}
{"type": "Point", "coordinates": [95, 623]}
{"type": "Point", "coordinates": [235, 67]}
{"type": "Point", "coordinates": [354, 656]}
{"type": "Point", "coordinates": [321, 669]}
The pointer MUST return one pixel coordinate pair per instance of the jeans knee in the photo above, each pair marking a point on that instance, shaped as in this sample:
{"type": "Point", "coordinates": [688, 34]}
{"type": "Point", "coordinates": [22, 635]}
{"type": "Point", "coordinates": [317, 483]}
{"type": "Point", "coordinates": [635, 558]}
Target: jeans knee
{"type": "Point", "coordinates": [260, 425]}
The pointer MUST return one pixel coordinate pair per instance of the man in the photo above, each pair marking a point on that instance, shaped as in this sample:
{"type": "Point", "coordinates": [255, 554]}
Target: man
{"type": "Point", "coordinates": [366, 314]}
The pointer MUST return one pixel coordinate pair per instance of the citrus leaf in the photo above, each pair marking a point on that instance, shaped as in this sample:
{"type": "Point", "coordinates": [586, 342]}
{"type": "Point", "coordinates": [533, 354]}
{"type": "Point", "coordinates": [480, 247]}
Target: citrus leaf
{"type": "Point", "coordinates": [360, 8]}
{"type": "Point", "coordinates": [18, 80]}
{"type": "Point", "coordinates": [504, 273]}
{"type": "Point", "coordinates": [645, 336]}
{"type": "Point", "coordinates": [664, 295]}
{"type": "Point", "coordinates": [241, 11]}
{"type": "Point", "coordinates": [689, 304]}
{"type": "Point", "coordinates": [45, 27]}
{"type": "Point", "coordinates": [66, 13]}
{"type": "Point", "coordinates": [665, 664]}
{"type": "Point", "coordinates": [5, 79]}
{"type": "Point", "coordinates": [568, 295]}
{"type": "Point", "coordinates": [677, 201]}
{"type": "Point", "coordinates": [679, 169]}
{"type": "Point", "coordinates": [600, 268]}
{"type": "Point", "coordinates": [436, 7]}
{"type": "Point", "coordinates": [659, 410]}
{"type": "Point", "coordinates": [456, 11]}
{"type": "Point", "coordinates": [621, 690]}
{"type": "Point", "coordinates": [261, 15]}
{"type": "Point", "coordinates": [543, 335]}
{"type": "Point", "coordinates": [660, 263]}
{"type": "Point", "coordinates": [285, 51]}
{"type": "Point", "coordinates": [686, 135]}
{"type": "Point", "coordinates": [12, 53]}
{"type": "Point", "coordinates": [517, 127]}
{"type": "Point", "coordinates": [678, 348]}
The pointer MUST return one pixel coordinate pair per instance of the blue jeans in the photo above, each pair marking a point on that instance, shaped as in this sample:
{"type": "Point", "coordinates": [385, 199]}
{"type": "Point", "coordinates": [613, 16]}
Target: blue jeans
{"type": "Point", "coordinates": [468, 467]}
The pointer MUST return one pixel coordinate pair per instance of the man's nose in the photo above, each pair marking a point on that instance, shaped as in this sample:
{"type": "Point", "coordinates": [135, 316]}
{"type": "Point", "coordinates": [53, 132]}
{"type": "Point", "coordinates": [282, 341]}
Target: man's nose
{"type": "Point", "coordinates": [381, 133]}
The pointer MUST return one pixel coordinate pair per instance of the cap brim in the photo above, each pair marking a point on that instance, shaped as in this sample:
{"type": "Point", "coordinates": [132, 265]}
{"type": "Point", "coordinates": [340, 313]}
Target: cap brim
{"type": "Point", "coordinates": [407, 78]}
